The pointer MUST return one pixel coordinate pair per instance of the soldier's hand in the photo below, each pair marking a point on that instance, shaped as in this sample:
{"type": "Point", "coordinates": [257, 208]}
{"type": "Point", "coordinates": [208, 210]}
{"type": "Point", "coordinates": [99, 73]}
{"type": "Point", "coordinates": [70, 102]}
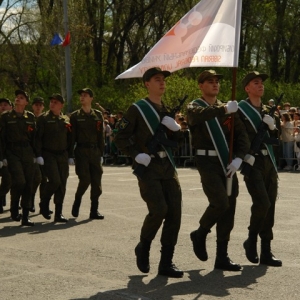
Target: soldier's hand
{"type": "Point", "coordinates": [233, 166]}
{"type": "Point", "coordinates": [170, 123]}
{"type": "Point", "coordinates": [269, 121]}
{"type": "Point", "coordinates": [71, 162]}
{"type": "Point", "coordinates": [231, 107]}
{"type": "Point", "coordinates": [1, 164]}
{"type": "Point", "coordinates": [143, 159]}
{"type": "Point", "coordinates": [40, 160]}
{"type": "Point", "coordinates": [101, 160]}
{"type": "Point", "coordinates": [5, 163]}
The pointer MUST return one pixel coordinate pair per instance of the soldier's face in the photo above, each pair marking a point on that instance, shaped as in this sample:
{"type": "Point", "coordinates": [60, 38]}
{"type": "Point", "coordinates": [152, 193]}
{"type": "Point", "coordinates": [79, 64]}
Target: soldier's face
{"type": "Point", "coordinates": [56, 106]}
{"type": "Point", "coordinates": [21, 100]}
{"type": "Point", "coordinates": [4, 106]}
{"type": "Point", "coordinates": [210, 87]}
{"type": "Point", "coordinates": [85, 98]}
{"type": "Point", "coordinates": [37, 108]}
{"type": "Point", "coordinates": [255, 87]}
{"type": "Point", "coordinates": [156, 84]}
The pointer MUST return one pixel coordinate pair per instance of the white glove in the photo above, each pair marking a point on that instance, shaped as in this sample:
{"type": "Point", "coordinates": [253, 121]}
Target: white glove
{"type": "Point", "coordinates": [231, 106]}
{"type": "Point", "coordinates": [101, 160]}
{"type": "Point", "coordinates": [249, 159]}
{"type": "Point", "coordinates": [40, 160]}
{"type": "Point", "coordinates": [269, 121]}
{"type": "Point", "coordinates": [170, 123]}
{"type": "Point", "coordinates": [234, 166]}
{"type": "Point", "coordinates": [5, 163]}
{"type": "Point", "coordinates": [1, 164]}
{"type": "Point", "coordinates": [143, 159]}
{"type": "Point", "coordinates": [71, 162]}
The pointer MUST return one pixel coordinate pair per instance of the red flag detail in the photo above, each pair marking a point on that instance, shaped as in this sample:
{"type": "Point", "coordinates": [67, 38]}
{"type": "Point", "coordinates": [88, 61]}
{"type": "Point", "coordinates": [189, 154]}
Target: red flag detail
{"type": "Point", "coordinates": [67, 39]}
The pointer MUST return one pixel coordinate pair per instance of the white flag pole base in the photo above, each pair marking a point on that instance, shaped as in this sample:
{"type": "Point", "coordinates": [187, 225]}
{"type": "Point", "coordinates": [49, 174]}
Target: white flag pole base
{"type": "Point", "coordinates": [229, 186]}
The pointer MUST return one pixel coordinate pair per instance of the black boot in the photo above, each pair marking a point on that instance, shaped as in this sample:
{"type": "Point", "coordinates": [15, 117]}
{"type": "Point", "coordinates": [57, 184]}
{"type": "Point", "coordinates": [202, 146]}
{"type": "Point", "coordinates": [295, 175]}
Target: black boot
{"type": "Point", "coordinates": [250, 246]}
{"type": "Point", "coordinates": [166, 266]}
{"type": "Point", "coordinates": [94, 214]}
{"type": "Point", "coordinates": [25, 220]}
{"type": "Point", "coordinates": [4, 200]}
{"type": "Point", "coordinates": [1, 208]}
{"type": "Point", "coordinates": [267, 257]}
{"type": "Point", "coordinates": [32, 208]}
{"type": "Point", "coordinates": [142, 252]}
{"type": "Point", "coordinates": [198, 238]}
{"type": "Point", "coordinates": [75, 207]}
{"type": "Point", "coordinates": [223, 262]}
{"type": "Point", "coordinates": [14, 211]}
{"type": "Point", "coordinates": [44, 209]}
{"type": "Point", "coordinates": [59, 218]}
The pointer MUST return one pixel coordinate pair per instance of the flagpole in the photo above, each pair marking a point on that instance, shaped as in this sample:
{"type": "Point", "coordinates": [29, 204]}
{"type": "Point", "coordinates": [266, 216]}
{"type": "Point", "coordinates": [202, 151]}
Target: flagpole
{"type": "Point", "coordinates": [67, 61]}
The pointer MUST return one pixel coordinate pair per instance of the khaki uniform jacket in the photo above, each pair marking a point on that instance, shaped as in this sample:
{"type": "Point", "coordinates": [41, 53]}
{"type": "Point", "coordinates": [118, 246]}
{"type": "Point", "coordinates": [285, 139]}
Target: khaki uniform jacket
{"type": "Point", "coordinates": [88, 128]}
{"type": "Point", "coordinates": [133, 134]}
{"type": "Point", "coordinates": [198, 115]}
{"type": "Point", "coordinates": [53, 134]}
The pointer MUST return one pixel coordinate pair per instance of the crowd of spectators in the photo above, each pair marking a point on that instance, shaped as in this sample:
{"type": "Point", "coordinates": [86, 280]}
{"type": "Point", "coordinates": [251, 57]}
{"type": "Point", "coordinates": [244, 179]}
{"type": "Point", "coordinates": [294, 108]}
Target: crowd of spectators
{"type": "Point", "coordinates": [287, 153]}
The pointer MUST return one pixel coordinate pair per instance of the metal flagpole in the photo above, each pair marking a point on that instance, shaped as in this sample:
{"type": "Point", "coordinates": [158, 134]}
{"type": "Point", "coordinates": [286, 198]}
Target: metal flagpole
{"type": "Point", "coordinates": [67, 60]}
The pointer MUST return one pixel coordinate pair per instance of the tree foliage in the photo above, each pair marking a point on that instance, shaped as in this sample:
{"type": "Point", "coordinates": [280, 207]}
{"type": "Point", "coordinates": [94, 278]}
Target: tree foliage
{"type": "Point", "coordinates": [109, 36]}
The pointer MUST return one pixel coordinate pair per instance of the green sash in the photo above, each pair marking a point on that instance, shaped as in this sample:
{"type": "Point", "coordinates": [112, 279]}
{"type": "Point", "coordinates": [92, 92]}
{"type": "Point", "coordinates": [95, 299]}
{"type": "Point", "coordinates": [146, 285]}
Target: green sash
{"type": "Point", "coordinates": [217, 136]}
{"type": "Point", "coordinates": [255, 119]}
{"type": "Point", "coordinates": [152, 120]}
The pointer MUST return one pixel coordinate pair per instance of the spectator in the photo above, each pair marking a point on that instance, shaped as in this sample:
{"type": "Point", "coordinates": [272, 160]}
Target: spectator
{"type": "Point", "coordinates": [287, 140]}
{"type": "Point", "coordinates": [297, 146]}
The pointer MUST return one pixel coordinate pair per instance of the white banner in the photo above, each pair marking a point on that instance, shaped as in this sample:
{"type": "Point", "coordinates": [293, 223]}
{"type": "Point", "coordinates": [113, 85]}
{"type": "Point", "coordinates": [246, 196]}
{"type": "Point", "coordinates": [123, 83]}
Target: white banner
{"type": "Point", "coordinates": [207, 36]}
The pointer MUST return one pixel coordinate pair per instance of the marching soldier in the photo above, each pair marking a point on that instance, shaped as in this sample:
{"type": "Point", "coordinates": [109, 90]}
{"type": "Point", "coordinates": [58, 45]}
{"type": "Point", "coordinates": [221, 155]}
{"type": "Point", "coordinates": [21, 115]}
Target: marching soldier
{"type": "Point", "coordinates": [53, 147]}
{"type": "Point", "coordinates": [88, 138]}
{"type": "Point", "coordinates": [17, 142]}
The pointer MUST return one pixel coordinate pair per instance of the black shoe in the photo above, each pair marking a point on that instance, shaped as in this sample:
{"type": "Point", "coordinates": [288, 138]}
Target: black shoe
{"type": "Point", "coordinates": [4, 201]}
{"type": "Point", "coordinates": [1, 209]}
{"type": "Point", "coordinates": [32, 209]}
{"type": "Point", "coordinates": [75, 211]}
{"type": "Point", "coordinates": [226, 264]}
{"type": "Point", "coordinates": [96, 215]}
{"type": "Point", "coordinates": [270, 260]}
{"type": "Point", "coordinates": [199, 246]}
{"type": "Point", "coordinates": [44, 211]}
{"type": "Point", "coordinates": [27, 222]}
{"type": "Point", "coordinates": [251, 251]}
{"type": "Point", "coordinates": [17, 217]}
{"type": "Point", "coordinates": [60, 219]}
{"type": "Point", "coordinates": [170, 271]}
{"type": "Point", "coordinates": [142, 257]}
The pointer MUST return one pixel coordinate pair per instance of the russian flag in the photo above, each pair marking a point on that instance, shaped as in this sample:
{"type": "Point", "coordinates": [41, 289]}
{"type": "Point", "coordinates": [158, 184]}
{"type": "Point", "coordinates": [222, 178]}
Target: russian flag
{"type": "Point", "coordinates": [57, 40]}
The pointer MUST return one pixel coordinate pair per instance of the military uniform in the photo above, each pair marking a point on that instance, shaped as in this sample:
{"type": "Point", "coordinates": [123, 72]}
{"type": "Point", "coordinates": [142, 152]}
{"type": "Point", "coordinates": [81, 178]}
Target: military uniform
{"type": "Point", "coordinates": [17, 142]}
{"type": "Point", "coordinates": [53, 143]}
{"type": "Point", "coordinates": [159, 186]}
{"type": "Point", "coordinates": [88, 138]}
{"type": "Point", "coordinates": [212, 170]}
{"type": "Point", "coordinates": [5, 186]}
{"type": "Point", "coordinates": [262, 185]}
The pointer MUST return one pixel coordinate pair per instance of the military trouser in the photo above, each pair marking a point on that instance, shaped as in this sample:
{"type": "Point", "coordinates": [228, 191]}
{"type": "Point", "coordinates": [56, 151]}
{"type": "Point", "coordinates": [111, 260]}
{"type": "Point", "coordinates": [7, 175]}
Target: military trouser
{"type": "Point", "coordinates": [262, 185]}
{"type": "Point", "coordinates": [21, 168]}
{"type": "Point", "coordinates": [5, 181]}
{"type": "Point", "coordinates": [39, 180]}
{"type": "Point", "coordinates": [56, 169]}
{"type": "Point", "coordinates": [161, 191]}
{"type": "Point", "coordinates": [89, 171]}
{"type": "Point", "coordinates": [221, 209]}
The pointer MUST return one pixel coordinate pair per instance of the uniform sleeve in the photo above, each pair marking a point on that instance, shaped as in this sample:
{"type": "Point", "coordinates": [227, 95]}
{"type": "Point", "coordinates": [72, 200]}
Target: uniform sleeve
{"type": "Point", "coordinates": [125, 138]}
{"type": "Point", "coordinates": [73, 135]}
{"type": "Point", "coordinates": [39, 136]}
{"type": "Point", "coordinates": [241, 142]}
{"type": "Point", "coordinates": [2, 138]}
{"type": "Point", "coordinates": [197, 113]}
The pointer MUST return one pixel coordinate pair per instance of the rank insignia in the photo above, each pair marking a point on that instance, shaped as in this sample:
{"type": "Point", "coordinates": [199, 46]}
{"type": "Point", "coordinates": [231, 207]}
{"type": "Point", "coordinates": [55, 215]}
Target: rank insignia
{"type": "Point", "coordinates": [123, 123]}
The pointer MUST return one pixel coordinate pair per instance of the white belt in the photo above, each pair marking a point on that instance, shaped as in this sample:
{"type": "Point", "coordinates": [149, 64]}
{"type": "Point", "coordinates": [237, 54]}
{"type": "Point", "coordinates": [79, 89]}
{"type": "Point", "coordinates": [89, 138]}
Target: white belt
{"type": "Point", "coordinates": [161, 154]}
{"type": "Point", "coordinates": [206, 152]}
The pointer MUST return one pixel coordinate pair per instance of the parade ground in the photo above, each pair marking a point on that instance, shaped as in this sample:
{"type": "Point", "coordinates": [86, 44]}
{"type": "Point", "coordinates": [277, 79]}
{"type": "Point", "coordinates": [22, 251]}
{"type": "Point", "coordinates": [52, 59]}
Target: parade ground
{"type": "Point", "coordinates": [94, 259]}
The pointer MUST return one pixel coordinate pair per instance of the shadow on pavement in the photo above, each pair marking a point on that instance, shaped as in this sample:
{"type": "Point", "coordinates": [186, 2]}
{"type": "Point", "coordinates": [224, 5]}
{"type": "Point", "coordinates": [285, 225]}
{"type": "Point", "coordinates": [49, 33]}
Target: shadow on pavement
{"type": "Point", "coordinates": [214, 284]}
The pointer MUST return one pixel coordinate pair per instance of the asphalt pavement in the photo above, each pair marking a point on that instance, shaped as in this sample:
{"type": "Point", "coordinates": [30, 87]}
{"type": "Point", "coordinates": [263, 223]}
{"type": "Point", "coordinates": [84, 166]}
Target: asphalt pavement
{"type": "Point", "coordinates": [94, 259]}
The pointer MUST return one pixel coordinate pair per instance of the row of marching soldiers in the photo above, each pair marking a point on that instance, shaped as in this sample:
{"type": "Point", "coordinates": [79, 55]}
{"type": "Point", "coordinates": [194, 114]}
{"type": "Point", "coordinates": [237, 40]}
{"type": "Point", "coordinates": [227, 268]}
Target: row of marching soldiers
{"type": "Point", "coordinates": [36, 150]}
